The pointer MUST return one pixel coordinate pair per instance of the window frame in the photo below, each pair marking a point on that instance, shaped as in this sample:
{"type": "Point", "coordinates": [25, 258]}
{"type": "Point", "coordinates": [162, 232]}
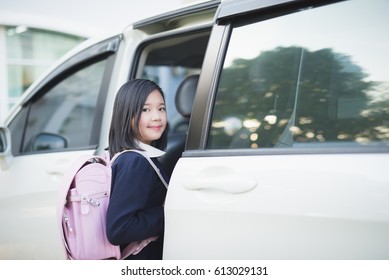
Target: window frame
{"type": "Point", "coordinates": [104, 50]}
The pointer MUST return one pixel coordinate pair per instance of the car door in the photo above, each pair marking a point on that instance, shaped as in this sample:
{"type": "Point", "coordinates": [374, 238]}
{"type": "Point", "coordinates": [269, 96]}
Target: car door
{"type": "Point", "coordinates": [173, 56]}
{"type": "Point", "coordinates": [287, 151]}
{"type": "Point", "coordinates": [58, 120]}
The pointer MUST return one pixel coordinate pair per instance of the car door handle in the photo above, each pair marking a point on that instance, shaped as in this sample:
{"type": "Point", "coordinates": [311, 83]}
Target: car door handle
{"type": "Point", "coordinates": [230, 183]}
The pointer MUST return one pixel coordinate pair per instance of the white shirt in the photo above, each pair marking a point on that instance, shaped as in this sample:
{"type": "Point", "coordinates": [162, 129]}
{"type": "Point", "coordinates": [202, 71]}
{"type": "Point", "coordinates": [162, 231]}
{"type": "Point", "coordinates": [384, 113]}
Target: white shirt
{"type": "Point", "coordinates": [151, 151]}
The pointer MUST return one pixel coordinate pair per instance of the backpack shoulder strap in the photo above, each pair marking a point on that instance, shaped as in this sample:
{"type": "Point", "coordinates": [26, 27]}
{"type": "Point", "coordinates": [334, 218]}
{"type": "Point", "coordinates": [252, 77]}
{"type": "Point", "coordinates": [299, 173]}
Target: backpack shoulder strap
{"type": "Point", "coordinates": [148, 159]}
{"type": "Point", "coordinates": [153, 165]}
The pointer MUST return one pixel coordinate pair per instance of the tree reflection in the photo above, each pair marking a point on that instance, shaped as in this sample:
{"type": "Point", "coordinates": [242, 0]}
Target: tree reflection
{"type": "Point", "coordinates": [290, 96]}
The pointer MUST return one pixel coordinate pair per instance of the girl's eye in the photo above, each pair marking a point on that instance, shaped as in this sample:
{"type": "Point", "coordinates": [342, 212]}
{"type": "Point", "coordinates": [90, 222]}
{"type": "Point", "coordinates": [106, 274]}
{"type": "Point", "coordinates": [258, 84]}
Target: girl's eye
{"type": "Point", "coordinates": [145, 110]}
{"type": "Point", "coordinates": [162, 109]}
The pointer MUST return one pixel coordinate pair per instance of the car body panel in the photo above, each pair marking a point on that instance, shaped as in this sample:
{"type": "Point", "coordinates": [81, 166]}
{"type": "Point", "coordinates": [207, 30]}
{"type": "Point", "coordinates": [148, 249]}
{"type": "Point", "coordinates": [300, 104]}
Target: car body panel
{"type": "Point", "coordinates": [281, 207]}
{"type": "Point", "coordinates": [28, 205]}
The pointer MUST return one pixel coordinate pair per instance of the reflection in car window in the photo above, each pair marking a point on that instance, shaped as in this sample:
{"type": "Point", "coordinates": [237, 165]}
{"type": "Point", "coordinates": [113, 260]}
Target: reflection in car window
{"type": "Point", "coordinates": [301, 83]}
{"type": "Point", "coordinates": [67, 110]}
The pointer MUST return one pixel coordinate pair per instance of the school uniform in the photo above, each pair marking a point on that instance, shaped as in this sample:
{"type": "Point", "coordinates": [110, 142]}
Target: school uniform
{"type": "Point", "coordinates": [135, 210]}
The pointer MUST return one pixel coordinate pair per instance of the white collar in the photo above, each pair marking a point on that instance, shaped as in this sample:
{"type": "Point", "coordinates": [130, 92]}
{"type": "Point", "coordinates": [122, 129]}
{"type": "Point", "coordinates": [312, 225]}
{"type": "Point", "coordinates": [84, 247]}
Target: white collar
{"type": "Point", "coordinates": [151, 151]}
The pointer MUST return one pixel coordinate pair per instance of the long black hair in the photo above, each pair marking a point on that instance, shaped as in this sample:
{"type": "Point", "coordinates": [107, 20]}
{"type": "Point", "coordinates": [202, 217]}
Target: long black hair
{"type": "Point", "coordinates": [127, 108]}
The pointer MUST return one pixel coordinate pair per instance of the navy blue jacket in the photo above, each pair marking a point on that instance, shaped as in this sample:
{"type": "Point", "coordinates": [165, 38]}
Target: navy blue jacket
{"type": "Point", "coordinates": [135, 211]}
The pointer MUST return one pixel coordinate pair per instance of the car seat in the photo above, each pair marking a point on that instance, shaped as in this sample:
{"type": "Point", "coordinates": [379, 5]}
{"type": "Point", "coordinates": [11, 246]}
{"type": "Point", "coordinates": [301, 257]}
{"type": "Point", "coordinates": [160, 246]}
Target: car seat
{"type": "Point", "coordinates": [177, 135]}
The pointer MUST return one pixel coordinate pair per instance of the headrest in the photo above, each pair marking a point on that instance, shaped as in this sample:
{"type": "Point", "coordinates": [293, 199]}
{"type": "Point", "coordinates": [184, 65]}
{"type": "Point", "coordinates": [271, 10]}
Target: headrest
{"type": "Point", "coordinates": [185, 95]}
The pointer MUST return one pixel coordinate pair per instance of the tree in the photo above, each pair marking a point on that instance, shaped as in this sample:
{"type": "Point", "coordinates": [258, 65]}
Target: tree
{"type": "Point", "coordinates": [314, 96]}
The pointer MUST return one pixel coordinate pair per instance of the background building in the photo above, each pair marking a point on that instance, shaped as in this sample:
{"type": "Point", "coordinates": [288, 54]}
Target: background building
{"type": "Point", "coordinates": [26, 53]}
{"type": "Point", "coordinates": [35, 34]}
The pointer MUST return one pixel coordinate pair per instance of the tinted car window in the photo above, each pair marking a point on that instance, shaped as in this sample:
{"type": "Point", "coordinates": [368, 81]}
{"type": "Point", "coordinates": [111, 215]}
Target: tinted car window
{"type": "Point", "coordinates": [63, 117]}
{"type": "Point", "coordinates": [313, 78]}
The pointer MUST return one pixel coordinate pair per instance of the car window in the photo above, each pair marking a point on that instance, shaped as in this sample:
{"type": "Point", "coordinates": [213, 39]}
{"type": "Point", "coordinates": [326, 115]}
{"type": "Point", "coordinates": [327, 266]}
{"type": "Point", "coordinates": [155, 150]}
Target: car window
{"type": "Point", "coordinates": [313, 78]}
{"type": "Point", "coordinates": [63, 117]}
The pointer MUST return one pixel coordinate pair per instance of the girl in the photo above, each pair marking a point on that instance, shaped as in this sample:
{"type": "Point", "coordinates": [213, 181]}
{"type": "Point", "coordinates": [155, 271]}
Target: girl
{"type": "Point", "coordinates": [135, 211]}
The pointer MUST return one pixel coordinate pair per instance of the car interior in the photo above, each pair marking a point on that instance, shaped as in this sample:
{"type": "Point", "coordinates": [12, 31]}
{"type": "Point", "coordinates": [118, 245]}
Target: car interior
{"type": "Point", "coordinates": [175, 64]}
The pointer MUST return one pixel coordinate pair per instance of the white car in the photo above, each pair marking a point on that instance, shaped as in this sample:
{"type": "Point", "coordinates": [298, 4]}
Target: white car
{"type": "Point", "coordinates": [278, 117]}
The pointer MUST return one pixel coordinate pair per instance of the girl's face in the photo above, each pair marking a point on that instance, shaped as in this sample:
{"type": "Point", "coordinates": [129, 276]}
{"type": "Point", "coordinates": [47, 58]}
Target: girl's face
{"type": "Point", "coordinates": [152, 122]}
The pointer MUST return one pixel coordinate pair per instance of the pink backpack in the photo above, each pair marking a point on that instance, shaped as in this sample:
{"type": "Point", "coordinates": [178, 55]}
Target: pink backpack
{"type": "Point", "coordinates": [82, 207]}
